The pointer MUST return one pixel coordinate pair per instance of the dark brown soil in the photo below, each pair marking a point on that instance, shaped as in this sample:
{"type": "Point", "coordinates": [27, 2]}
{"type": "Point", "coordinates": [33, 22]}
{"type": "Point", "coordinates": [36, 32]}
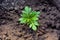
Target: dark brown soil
{"type": "Point", "coordinates": [11, 29]}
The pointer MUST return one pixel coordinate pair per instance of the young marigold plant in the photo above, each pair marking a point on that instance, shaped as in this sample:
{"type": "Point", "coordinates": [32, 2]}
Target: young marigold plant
{"type": "Point", "coordinates": [30, 18]}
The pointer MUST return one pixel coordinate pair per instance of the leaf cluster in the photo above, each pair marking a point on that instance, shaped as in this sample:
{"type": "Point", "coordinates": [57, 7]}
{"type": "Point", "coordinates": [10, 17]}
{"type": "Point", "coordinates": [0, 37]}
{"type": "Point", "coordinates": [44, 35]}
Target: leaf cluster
{"type": "Point", "coordinates": [30, 18]}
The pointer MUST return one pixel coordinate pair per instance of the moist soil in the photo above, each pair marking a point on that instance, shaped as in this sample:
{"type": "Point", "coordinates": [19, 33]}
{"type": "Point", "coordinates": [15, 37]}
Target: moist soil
{"type": "Point", "coordinates": [11, 29]}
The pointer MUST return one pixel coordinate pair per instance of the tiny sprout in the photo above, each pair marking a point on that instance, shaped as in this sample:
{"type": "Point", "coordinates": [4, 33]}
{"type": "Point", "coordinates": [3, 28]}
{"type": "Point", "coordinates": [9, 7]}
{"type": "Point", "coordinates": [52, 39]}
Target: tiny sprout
{"type": "Point", "coordinates": [30, 18]}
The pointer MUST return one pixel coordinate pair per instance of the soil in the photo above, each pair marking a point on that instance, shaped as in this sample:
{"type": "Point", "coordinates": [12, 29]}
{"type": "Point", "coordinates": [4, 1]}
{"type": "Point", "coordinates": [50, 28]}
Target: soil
{"type": "Point", "coordinates": [11, 29]}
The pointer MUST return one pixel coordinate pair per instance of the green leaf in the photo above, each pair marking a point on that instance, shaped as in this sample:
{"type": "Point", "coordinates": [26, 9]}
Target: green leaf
{"type": "Point", "coordinates": [33, 13]}
{"type": "Point", "coordinates": [30, 25]}
{"type": "Point", "coordinates": [38, 12]}
{"type": "Point", "coordinates": [34, 28]}
{"type": "Point", "coordinates": [34, 18]}
{"type": "Point", "coordinates": [36, 23]}
{"type": "Point", "coordinates": [24, 15]}
{"type": "Point", "coordinates": [22, 20]}
{"type": "Point", "coordinates": [24, 12]}
{"type": "Point", "coordinates": [27, 9]}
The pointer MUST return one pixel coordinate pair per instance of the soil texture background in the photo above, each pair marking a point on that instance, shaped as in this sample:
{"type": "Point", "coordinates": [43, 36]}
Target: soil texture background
{"type": "Point", "coordinates": [11, 29]}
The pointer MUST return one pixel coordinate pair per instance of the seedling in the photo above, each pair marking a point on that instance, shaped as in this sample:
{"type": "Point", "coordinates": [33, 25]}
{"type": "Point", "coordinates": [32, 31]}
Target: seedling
{"type": "Point", "coordinates": [30, 18]}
